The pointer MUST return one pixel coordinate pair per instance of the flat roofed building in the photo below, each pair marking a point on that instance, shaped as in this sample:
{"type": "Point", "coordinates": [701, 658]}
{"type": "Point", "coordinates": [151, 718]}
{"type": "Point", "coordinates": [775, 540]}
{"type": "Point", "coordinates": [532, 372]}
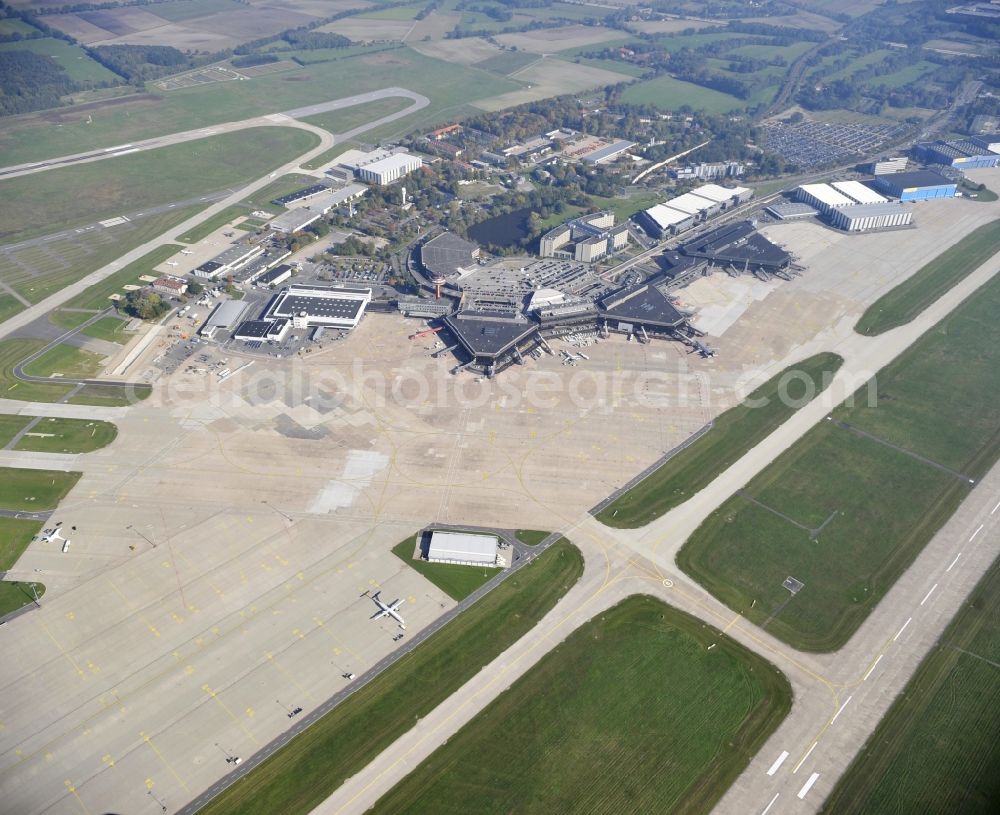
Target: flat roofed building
{"type": "Point", "coordinates": [865, 217]}
{"type": "Point", "coordinates": [661, 220]}
{"type": "Point", "coordinates": [642, 306]}
{"type": "Point", "coordinates": [738, 245]}
{"type": "Point", "coordinates": [988, 141]}
{"type": "Point", "coordinates": [275, 276]}
{"type": "Point", "coordinates": [308, 306]}
{"type": "Point", "coordinates": [917, 185]}
{"type": "Point", "coordinates": [792, 210]}
{"type": "Point", "coordinates": [602, 155]}
{"type": "Point", "coordinates": [896, 164]}
{"type": "Point", "coordinates": [727, 196]}
{"type": "Point", "coordinates": [447, 255]}
{"type": "Point", "coordinates": [389, 169]}
{"type": "Point", "coordinates": [466, 548]}
{"type": "Point", "coordinates": [209, 270]}
{"type": "Point", "coordinates": [250, 330]}
{"type": "Point", "coordinates": [823, 197]}
{"type": "Point", "coordinates": [861, 193]}
{"type": "Point", "coordinates": [692, 204]}
{"type": "Point", "coordinates": [294, 220]}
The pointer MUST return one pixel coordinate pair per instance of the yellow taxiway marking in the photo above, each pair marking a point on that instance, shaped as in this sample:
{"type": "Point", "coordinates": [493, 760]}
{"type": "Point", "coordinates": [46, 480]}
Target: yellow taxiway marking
{"type": "Point", "coordinates": [232, 715]}
{"type": "Point", "coordinates": [162, 758]}
{"type": "Point", "coordinates": [72, 788]}
{"type": "Point", "coordinates": [63, 651]}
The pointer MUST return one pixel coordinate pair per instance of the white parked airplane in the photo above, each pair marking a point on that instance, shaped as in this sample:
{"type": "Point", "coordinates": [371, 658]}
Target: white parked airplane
{"type": "Point", "coordinates": [388, 610]}
{"type": "Point", "coordinates": [52, 535]}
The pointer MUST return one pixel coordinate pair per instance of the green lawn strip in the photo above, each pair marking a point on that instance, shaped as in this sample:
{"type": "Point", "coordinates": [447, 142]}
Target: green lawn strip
{"type": "Point", "coordinates": [68, 436]}
{"type": "Point", "coordinates": [936, 400]}
{"type": "Point", "coordinates": [11, 353]}
{"type": "Point", "coordinates": [96, 296]}
{"type": "Point", "coordinates": [15, 595]}
{"type": "Point", "coordinates": [15, 535]}
{"type": "Point", "coordinates": [315, 763]}
{"type": "Point", "coordinates": [936, 749]}
{"type": "Point", "coordinates": [340, 121]}
{"type": "Point", "coordinates": [70, 319]}
{"type": "Point", "coordinates": [734, 433]}
{"type": "Point", "coordinates": [110, 395]}
{"type": "Point", "coordinates": [932, 280]}
{"type": "Point", "coordinates": [634, 692]}
{"type": "Point", "coordinates": [34, 490]}
{"type": "Point", "coordinates": [457, 581]}
{"type": "Point", "coordinates": [111, 329]}
{"type": "Point", "coordinates": [10, 426]}
{"type": "Point", "coordinates": [121, 185]}
{"type": "Point", "coordinates": [531, 537]}
{"type": "Point", "coordinates": [65, 361]}
{"type": "Point", "coordinates": [9, 306]}
{"type": "Point", "coordinates": [217, 221]}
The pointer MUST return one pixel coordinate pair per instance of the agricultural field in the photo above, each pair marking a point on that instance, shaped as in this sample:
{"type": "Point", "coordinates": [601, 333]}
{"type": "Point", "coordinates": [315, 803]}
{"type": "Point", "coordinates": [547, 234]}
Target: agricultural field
{"type": "Point", "coordinates": [37, 271]}
{"type": "Point", "coordinates": [900, 305]}
{"type": "Point", "coordinates": [71, 130]}
{"type": "Point", "coordinates": [668, 93]}
{"type": "Point", "coordinates": [65, 361]}
{"type": "Point", "coordinates": [15, 535]}
{"type": "Point", "coordinates": [848, 507]}
{"type": "Point", "coordinates": [301, 775]}
{"type": "Point", "coordinates": [78, 65]}
{"type": "Point", "coordinates": [34, 490]}
{"type": "Point", "coordinates": [733, 433]}
{"type": "Point", "coordinates": [458, 582]}
{"type": "Point", "coordinates": [553, 40]}
{"type": "Point", "coordinates": [122, 185]}
{"type": "Point", "coordinates": [635, 692]}
{"type": "Point", "coordinates": [53, 435]}
{"type": "Point", "coordinates": [936, 749]}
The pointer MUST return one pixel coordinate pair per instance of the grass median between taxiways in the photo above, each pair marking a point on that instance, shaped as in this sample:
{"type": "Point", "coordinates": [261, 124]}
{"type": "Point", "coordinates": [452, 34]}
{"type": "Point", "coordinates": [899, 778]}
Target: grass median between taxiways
{"type": "Point", "coordinates": [57, 435]}
{"type": "Point", "coordinates": [34, 490]}
{"type": "Point", "coordinates": [632, 713]}
{"type": "Point", "coordinates": [457, 581]}
{"type": "Point", "coordinates": [903, 303]}
{"type": "Point", "coordinates": [936, 749]}
{"type": "Point", "coordinates": [301, 775]}
{"type": "Point", "coordinates": [733, 433]}
{"type": "Point", "coordinates": [862, 493]}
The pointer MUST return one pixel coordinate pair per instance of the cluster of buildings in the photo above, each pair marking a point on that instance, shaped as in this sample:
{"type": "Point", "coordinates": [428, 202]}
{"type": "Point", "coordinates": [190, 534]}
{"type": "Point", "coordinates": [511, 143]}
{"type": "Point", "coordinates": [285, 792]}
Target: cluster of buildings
{"type": "Point", "coordinates": [852, 206]}
{"type": "Point", "coordinates": [973, 153]}
{"type": "Point", "coordinates": [679, 214]}
{"type": "Point", "coordinates": [586, 239]}
{"type": "Point", "coordinates": [308, 205]}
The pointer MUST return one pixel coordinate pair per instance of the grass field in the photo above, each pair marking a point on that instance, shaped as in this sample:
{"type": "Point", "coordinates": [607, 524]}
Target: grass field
{"type": "Point", "coordinates": [667, 93]}
{"type": "Point", "coordinates": [458, 582]}
{"type": "Point", "coordinates": [301, 775]}
{"type": "Point", "coordinates": [936, 749]}
{"type": "Point", "coordinates": [65, 361]}
{"type": "Point", "coordinates": [15, 535]}
{"type": "Point", "coordinates": [122, 185]}
{"type": "Point", "coordinates": [34, 490]}
{"type": "Point", "coordinates": [96, 296]}
{"type": "Point", "coordinates": [913, 295]}
{"type": "Point", "coordinates": [9, 306]}
{"type": "Point", "coordinates": [634, 693]}
{"type": "Point", "coordinates": [531, 537]}
{"type": "Point", "coordinates": [10, 426]}
{"type": "Point", "coordinates": [37, 272]}
{"type": "Point", "coordinates": [15, 595]}
{"type": "Point", "coordinates": [78, 65]}
{"type": "Point", "coordinates": [33, 137]}
{"type": "Point", "coordinates": [340, 121]}
{"type": "Point", "coordinates": [873, 501]}
{"type": "Point", "coordinates": [68, 436]}
{"type": "Point", "coordinates": [734, 433]}
{"type": "Point", "coordinates": [111, 329]}
{"type": "Point", "coordinates": [11, 353]}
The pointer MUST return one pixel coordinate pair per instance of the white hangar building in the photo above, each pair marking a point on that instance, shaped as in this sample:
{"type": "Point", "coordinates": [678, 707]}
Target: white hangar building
{"type": "Point", "coordinates": [466, 548]}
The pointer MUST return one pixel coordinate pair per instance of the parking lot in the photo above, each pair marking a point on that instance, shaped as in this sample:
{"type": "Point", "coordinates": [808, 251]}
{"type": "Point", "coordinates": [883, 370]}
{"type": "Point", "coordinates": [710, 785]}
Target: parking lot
{"type": "Point", "coordinates": [812, 144]}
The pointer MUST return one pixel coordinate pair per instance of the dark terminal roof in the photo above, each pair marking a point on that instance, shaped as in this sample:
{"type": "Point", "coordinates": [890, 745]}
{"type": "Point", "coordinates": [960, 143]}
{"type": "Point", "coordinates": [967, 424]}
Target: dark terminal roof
{"type": "Point", "coordinates": [738, 244]}
{"type": "Point", "coordinates": [289, 305]}
{"type": "Point", "coordinates": [644, 304]}
{"type": "Point", "coordinates": [488, 333]}
{"type": "Point", "coordinates": [446, 253]}
{"type": "Point", "coordinates": [255, 329]}
{"type": "Point", "coordinates": [913, 178]}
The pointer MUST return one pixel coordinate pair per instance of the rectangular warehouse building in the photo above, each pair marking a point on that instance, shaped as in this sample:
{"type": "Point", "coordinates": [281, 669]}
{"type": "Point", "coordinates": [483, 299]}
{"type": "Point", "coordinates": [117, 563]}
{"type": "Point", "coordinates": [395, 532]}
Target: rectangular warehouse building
{"type": "Point", "coordinates": [864, 217]}
{"type": "Point", "coordinates": [389, 169]}
{"type": "Point", "coordinates": [861, 193]}
{"type": "Point", "coordinates": [824, 197]}
{"type": "Point", "coordinates": [308, 306]}
{"type": "Point", "coordinates": [960, 154]}
{"type": "Point", "coordinates": [465, 548]}
{"type": "Point", "coordinates": [918, 185]}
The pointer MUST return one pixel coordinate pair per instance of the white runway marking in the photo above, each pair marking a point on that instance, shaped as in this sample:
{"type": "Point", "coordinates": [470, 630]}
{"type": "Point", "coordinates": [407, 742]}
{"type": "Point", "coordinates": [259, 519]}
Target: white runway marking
{"type": "Point", "coordinates": [768, 807]}
{"type": "Point", "coordinates": [993, 511]}
{"type": "Point", "coordinates": [778, 762]}
{"type": "Point", "coordinates": [928, 595]}
{"type": "Point", "coordinates": [976, 532]}
{"type": "Point", "coordinates": [808, 786]}
{"type": "Point", "coordinates": [872, 668]}
{"type": "Point", "coordinates": [901, 630]}
{"type": "Point", "coordinates": [803, 761]}
{"type": "Point", "coordinates": [835, 715]}
{"type": "Point", "coordinates": [952, 566]}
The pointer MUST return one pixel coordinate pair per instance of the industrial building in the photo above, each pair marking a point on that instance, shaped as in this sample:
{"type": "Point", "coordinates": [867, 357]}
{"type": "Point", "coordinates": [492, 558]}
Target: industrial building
{"type": "Point", "coordinates": [896, 164]}
{"type": "Point", "coordinates": [861, 193]}
{"type": "Point", "coordinates": [322, 202]}
{"type": "Point", "coordinates": [300, 195]}
{"type": "Point", "coordinates": [917, 185]}
{"type": "Point", "coordinates": [962, 154]}
{"type": "Point", "coordinates": [586, 239]}
{"type": "Point", "coordinates": [792, 211]}
{"type": "Point", "coordinates": [681, 213]}
{"type": "Point", "coordinates": [295, 220]}
{"type": "Point", "coordinates": [988, 141]}
{"type": "Point", "coordinates": [262, 330]}
{"type": "Point", "coordinates": [448, 255]}
{"type": "Point", "coordinates": [388, 169]}
{"type": "Point", "coordinates": [466, 548]}
{"type": "Point", "coordinates": [824, 197]}
{"type": "Point", "coordinates": [608, 153]}
{"type": "Point", "coordinates": [865, 217]}
{"type": "Point", "coordinates": [222, 318]}
{"type": "Point", "coordinates": [274, 277]}
{"type": "Point", "coordinates": [308, 306]}
{"type": "Point", "coordinates": [235, 257]}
